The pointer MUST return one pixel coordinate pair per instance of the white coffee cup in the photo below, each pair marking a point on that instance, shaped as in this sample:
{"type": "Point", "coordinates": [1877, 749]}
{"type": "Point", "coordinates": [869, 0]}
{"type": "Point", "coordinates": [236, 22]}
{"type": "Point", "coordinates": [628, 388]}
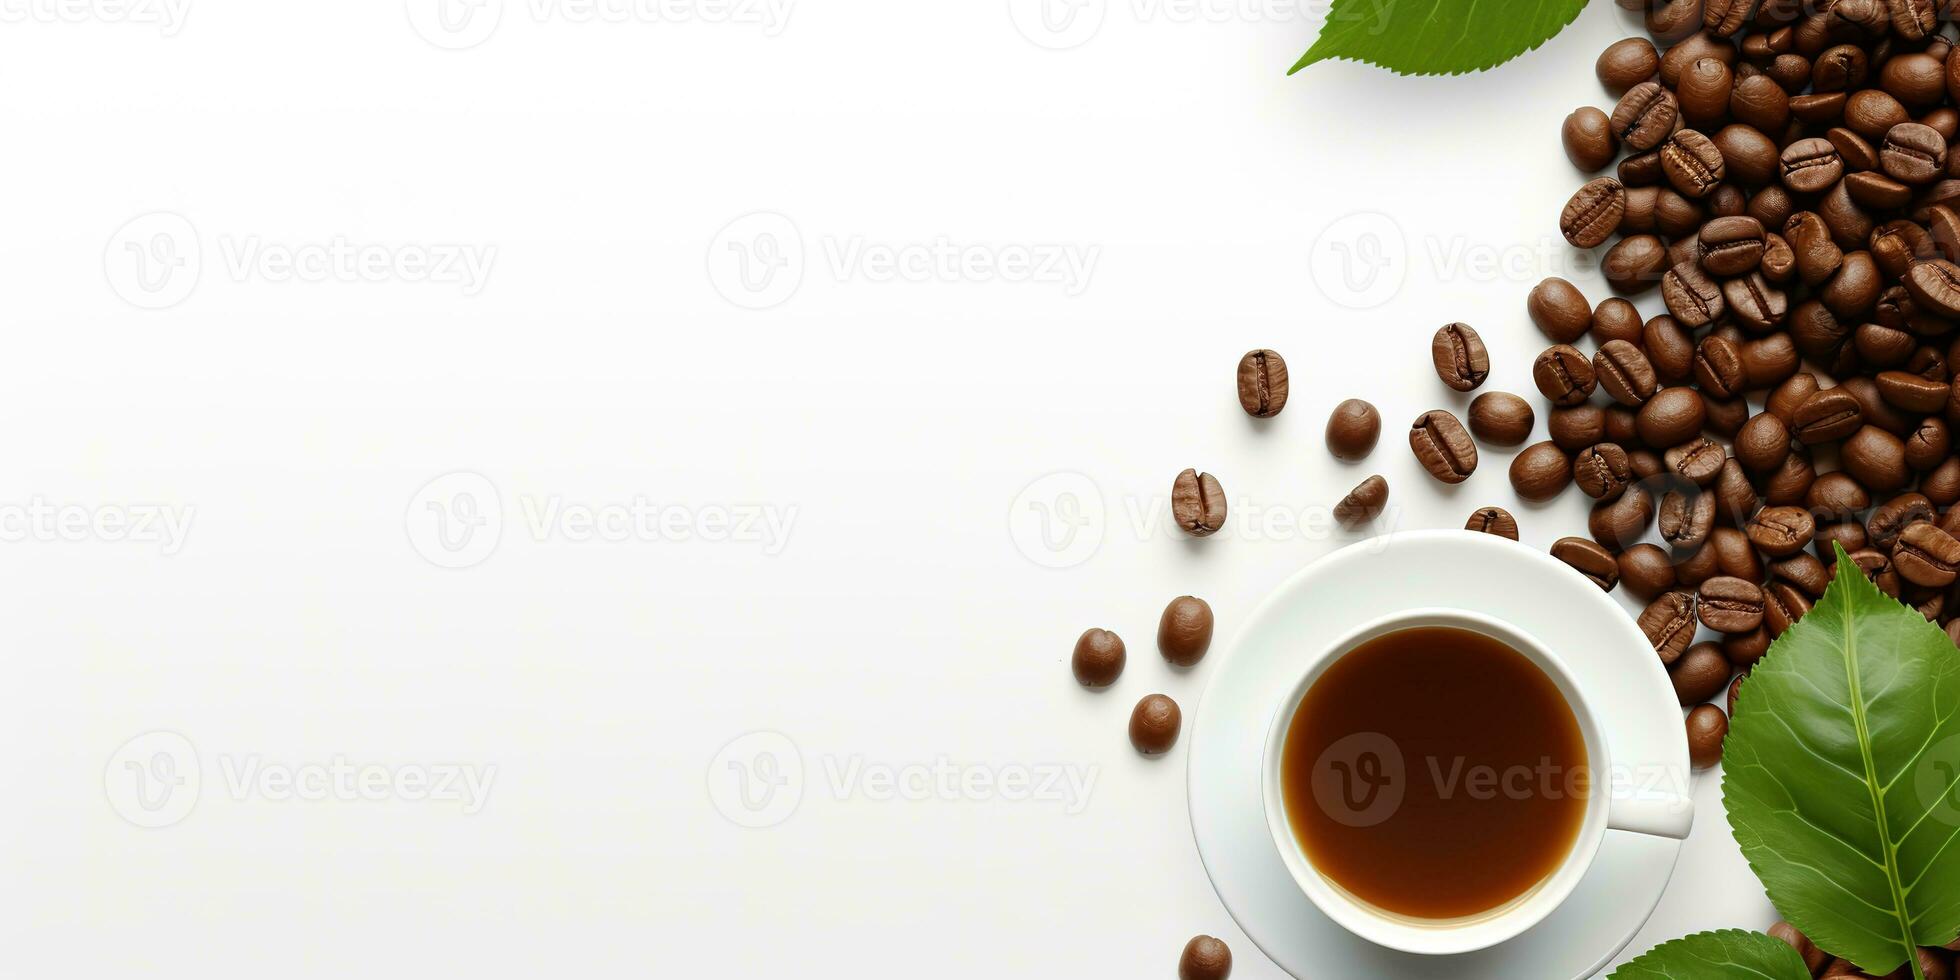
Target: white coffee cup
{"type": "Point", "coordinates": [1610, 805]}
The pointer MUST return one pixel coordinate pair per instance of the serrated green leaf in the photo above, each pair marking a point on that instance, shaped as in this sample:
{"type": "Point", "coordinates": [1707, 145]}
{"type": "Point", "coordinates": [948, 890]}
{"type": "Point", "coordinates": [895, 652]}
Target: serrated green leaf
{"type": "Point", "coordinates": [1843, 775]}
{"type": "Point", "coordinates": [1727, 955]}
{"type": "Point", "coordinates": [1437, 37]}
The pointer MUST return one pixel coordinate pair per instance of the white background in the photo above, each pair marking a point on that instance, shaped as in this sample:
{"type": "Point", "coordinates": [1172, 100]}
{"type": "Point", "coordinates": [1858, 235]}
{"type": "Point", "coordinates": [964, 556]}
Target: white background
{"type": "Point", "coordinates": [907, 616]}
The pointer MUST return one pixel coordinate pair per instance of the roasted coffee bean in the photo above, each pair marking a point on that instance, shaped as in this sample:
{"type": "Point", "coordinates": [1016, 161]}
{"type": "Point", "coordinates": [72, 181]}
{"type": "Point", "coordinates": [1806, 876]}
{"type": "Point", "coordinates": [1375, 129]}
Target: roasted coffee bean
{"type": "Point", "coordinates": [1461, 360]}
{"type": "Point", "coordinates": [1929, 445]}
{"type": "Point", "coordinates": [1691, 296]}
{"type": "Point", "coordinates": [1693, 164]}
{"type": "Point", "coordinates": [1731, 246]}
{"type": "Point", "coordinates": [1540, 472]}
{"type": "Point", "coordinates": [1671, 417]}
{"type": "Point", "coordinates": [1616, 319]}
{"type": "Point", "coordinates": [1704, 90]}
{"type": "Point", "coordinates": [1880, 347]}
{"type": "Point", "coordinates": [1707, 727]}
{"type": "Point", "coordinates": [1850, 535]}
{"type": "Point", "coordinates": [1154, 724]}
{"type": "Point", "coordinates": [1854, 289]}
{"type": "Point", "coordinates": [1098, 659]}
{"type": "Point", "coordinates": [1635, 263]}
{"type": "Point", "coordinates": [1627, 63]}
{"type": "Point", "coordinates": [1760, 104]}
{"type": "Point", "coordinates": [1621, 522]}
{"type": "Point", "coordinates": [1501, 418]}
{"type": "Point", "coordinates": [1443, 447]}
{"type": "Point", "coordinates": [1686, 519]}
{"type": "Point", "coordinates": [1770, 361]}
{"type": "Point", "coordinates": [1762, 444]}
{"type": "Point", "coordinates": [1262, 383]}
{"type": "Point", "coordinates": [1877, 191]}
{"type": "Point", "coordinates": [1857, 153]}
{"type": "Point", "coordinates": [1691, 48]}
{"type": "Point", "coordinates": [1926, 555]}
{"type": "Point", "coordinates": [1730, 605]}
{"type": "Point", "coordinates": [1783, 402]}
{"type": "Point", "coordinates": [1735, 496]}
{"type": "Point", "coordinates": [1875, 458]}
{"type": "Point", "coordinates": [1353, 429]}
{"type": "Point", "coordinates": [1593, 213]}
{"type": "Point", "coordinates": [1827, 416]}
{"type": "Point", "coordinates": [1804, 571]}
{"type": "Point", "coordinates": [1693, 569]}
{"type": "Point", "coordinates": [1770, 207]}
{"type": "Point", "coordinates": [1362, 504]}
{"type": "Point", "coordinates": [1198, 503]}
{"type": "Point", "coordinates": [1781, 531]}
{"type": "Point", "coordinates": [1670, 350]}
{"type": "Point", "coordinates": [1698, 460]}
{"type": "Point", "coordinates": [1810, 166]}
{"type": "Point", "coordinates": [1669, 623]}
{"type": "Point", "coordinates": [1588, 559]}
{"type": "Point", "coordinates": [1913, 154]}
{"type": "Point", "coordinates": [1750, 157]}
{"type": "Point", "coordinates": [1735, 554]}
{"type": "Point", "coordinates": [1942, 484]}
{"type": "Point", "coordinates": [1783, 605]}
{"type": "Point", "coordinates": [1755, 303]}
{"type": "Point", "coordinates": [1645, 116]}
{"type": "Point", "coordinates": [1891, 518]}
{"type": "Point", "coordinates": [1623, 427]}
{"type": "Point", "coordinates": [1743, 651]}
{"type": "Point", "coordinates": [1588, 138]}
{"type": "Point", "coordinates": [1877, 566]}
{"type": "Point", "coordinates": [1493, 520]}
{"type": "Point", "coordinates": [1912, 393]}
{"type": "Point", "coordinates": [1850, 225]}
{"type": "Point", "coordinates": [1184, 630]}
{"type": "Point", "coordinates": [1646, 571]}
{"type": "Point", "coordinates": [1577, 427]}
{"type": "Point", "coordinates": [1628, 377]}
{"type": "Point", "coordinates": [1837, 495]}
{"type": "Point", "coordinates": [1918, 79]}
{"type": "Point", "coordinates": [1204, 958]}
{"type": "Point", "coordinates": [1563, 375]}
{"type": "Point", "coordinates": [1817, 252]}
{"type": "Point", "coordinates": [1876, 410]}
{"type": "Point", "coordinates": [1603, 471]}
{"type": "Point", "coordinates": [1701, 673]}
{"type": "Point", "coordinates": [1787, 486]}
{"type": "Point", "coordinates": [1935, 285]}
{"type": "Point", "coordinates": [1560, 310]}
{"type": "Point", "coordinates": [1718, 367]}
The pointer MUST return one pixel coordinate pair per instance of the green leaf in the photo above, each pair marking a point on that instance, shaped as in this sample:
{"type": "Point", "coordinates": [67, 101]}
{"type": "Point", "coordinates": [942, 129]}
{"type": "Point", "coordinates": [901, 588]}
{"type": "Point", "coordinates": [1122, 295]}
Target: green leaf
{"type": "Point", "coordinates": [1437, 37]}
{"type": "Point", "coordinates": [1843, 776]}
{"type": "Point", "coordinates": [1717, 956]}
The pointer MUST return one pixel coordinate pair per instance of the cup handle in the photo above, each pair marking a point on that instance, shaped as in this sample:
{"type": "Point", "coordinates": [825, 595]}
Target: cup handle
{"type": "Point", "coordinates": [1670, 816]}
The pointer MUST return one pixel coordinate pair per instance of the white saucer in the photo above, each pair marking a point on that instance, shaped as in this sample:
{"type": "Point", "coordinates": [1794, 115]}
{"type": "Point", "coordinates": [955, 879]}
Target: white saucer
{"type": "Point", "coordinates": [1600, 643]}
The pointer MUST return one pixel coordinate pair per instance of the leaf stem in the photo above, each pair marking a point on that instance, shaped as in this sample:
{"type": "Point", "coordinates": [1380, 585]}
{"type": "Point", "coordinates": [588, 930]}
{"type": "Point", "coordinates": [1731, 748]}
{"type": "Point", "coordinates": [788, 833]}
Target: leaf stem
{"type": "Point", "coordinates": [1872, 785]}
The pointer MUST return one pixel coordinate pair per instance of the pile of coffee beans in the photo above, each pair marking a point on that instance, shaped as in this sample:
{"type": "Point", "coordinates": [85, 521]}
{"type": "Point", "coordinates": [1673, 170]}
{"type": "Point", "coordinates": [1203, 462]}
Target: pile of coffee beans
{"type": "Point", "coordinates": [1935, 963]}
{"type": "Point", "coordinates": [1781, 176]}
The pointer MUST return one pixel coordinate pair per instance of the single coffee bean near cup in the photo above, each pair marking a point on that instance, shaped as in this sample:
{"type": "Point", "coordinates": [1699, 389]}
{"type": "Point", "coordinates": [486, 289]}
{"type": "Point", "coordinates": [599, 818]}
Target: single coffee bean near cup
{"type": "Point", "coordinates": [1707, 727]}
{"type": "Point", "coordinates": [1263, 384]}
{"type": "Point", "coordinates": [1204, 958]}
{"type": "Point", "coordinates": [1700, 674]}
{"type": "Point", "coordinates": [1589, 559]}
{"type": "Point", "coordinates": [1362, 504]}
{"type": "Point", "coordinates": [1501, 418]}
{"type": "Point", "coordinates": [1730, 605]}
{"type": "Point", "coordinates": [1461, 359]}
{"type": "Point", "coordinates": [1443, 447]}
{"type": "Point", "coordinates": [1098, 659]}
{"type": "Point", "coordinates": [1669, 623]}
{"type": "Point", "coordinates": [1353, 430]}
{"type": "Point", "coordinates": [1184, 630]}
{"type": "Point", "coordinates": [1154, 724]}
{"type": "Point", "coordinates": [1437, 692]}
{"type": "Point", "coordinates": [1493, 520]}
{"type": "Point", "coordinates": [1646, 571]}
{"type": "Point", "coordinates": [1619, 524]}
{"type": "Point", "coordinates": [1198, 503]}
{"type": "Point", "coordinates": [1542, 471]}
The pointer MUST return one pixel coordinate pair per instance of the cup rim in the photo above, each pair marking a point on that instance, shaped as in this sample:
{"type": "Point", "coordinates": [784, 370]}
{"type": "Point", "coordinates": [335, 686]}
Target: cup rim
{"type": "Point", "coordinates": [1438, 937]}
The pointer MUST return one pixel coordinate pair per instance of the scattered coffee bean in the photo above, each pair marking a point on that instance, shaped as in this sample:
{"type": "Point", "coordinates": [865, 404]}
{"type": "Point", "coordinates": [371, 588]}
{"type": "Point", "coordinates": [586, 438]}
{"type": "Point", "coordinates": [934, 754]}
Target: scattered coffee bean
{"type": "Point", "coordinates": [1669, 623]}
{"type": "Point", "coordinates": [1730, 605]}
{"type": "Point", "coordinates": [1588, 138]}
{"type": "Point", "coordinates": [1686, 519]}
{"type": "Point", "coordinates": [1540, 472]}
{"type": "Point", "coordinates": [1745, 649]}
{"type": "Point", "coordinates": [1698, 460]}
{"type": "Point", "coordinates": [1624, 373]}
{"type": "Point", "coordinates": [1362, 504]}
{"type": "Point", "coordinates": [1198, 503]}
{"type": "Point", "coordinates": [1154, 724]}
{"type": "Point", "coordinates": [1700, 674]}
{"type": "Point", "coordinates": [1493, 520]}
{"type": "Point", "coordinates": [1763, 444]}
{"type": "Point", "coordinates": [1619, 523]}
{"type": "Point", "coordinates": [1461, 360]}
{"type": "Point", "coordinates": [1589, 559]}
{"type": "Point", "coordinates": [1098, 659]}
{"type": "Point", "coordinates": [1781, 531]}
{"type": "Point", "coordinates": [1707, 727]}
{"type": "Point", "coordinates": [1204, 958]}
{"type": "Point", "coordinates": [1672, 417]}
{"type": "Point", "coordinates": [1926, 555]}
{"type": "Point", "coordinates": [1353, 430]}
{"type": "Point", "coordinates": [1594, 212]}
{"type": "Point", "coordinates": [1262, 383]}
{"type": "Point", "coordinates": [1443, 447]}
{"type": "Point", "coordinates": [1560, 310]}
{"type": "Point", "coordinates": [1184, 631]}
{"type": "Point", "coordinates": [1645, 116]}
{"type": "Point", "coordinates": [1627, 63]}
{"type": "Point", "coordinates": [1563, 375]}
{"type": "Point", "coordinates": [1646, 571]}
{"type": "Point", "coordinates": [1501, 418]}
